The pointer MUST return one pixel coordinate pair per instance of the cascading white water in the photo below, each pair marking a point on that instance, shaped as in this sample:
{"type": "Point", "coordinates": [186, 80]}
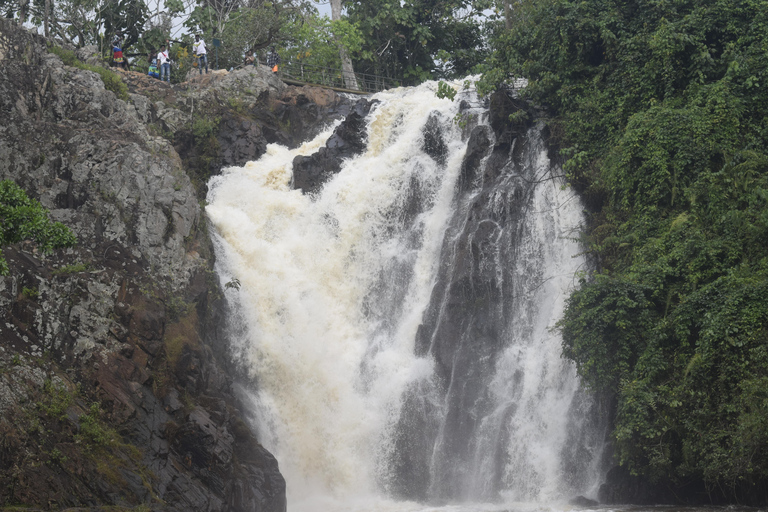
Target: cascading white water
{"type": "Point", "coordinates": [334, 287]}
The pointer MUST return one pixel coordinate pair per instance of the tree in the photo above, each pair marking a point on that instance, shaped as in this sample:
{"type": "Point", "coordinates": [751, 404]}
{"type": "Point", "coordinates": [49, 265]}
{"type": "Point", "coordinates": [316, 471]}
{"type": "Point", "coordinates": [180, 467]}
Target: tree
{"type": "Point", "coordinates": [125, 16]}
{"type": "Point", "coordinates": [416, 40]}
{"type": "Point", "coordinates": [307, 50]}
{"type": "Point", "coordinates": [346, 63]}
{"type": "Point", "coordinates": [22, 218]}
{"type": "Point", "coordinates": [83, 22]}
{"type": "Point", "coordinates": [247, 25]}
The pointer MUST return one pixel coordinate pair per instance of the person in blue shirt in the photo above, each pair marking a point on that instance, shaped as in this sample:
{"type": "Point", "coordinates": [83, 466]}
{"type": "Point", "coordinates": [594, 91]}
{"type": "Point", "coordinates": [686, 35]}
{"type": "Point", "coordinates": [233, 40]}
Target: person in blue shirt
{"type": "Point", "coordinates": [153, 67]}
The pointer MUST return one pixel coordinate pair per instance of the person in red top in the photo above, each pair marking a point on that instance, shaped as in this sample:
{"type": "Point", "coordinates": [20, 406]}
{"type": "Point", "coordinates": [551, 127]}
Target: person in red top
{"type": "Point", "coordinates": [117, 57]}
{"type": "Point", "coordinates": [117, 52]}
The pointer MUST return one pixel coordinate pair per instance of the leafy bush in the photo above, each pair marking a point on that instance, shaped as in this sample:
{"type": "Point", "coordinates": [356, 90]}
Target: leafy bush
{"type": "Point", "coordinates": [22, 218]}
{"type": "Point", "coordinates": [658, 111]}
{"type": "Point", "coordinates": [94, 432]}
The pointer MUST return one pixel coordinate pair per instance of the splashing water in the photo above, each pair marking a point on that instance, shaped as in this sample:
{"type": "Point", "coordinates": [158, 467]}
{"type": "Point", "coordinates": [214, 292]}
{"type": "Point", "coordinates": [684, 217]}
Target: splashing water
{"type": "Point", "coordinates": [334, 291]}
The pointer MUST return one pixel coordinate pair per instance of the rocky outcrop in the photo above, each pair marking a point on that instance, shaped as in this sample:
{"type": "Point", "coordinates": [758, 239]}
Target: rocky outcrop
{"type": "Point", "coordinates": [114, 388]}
{"type": "Point", "coordinates": [348, 139]}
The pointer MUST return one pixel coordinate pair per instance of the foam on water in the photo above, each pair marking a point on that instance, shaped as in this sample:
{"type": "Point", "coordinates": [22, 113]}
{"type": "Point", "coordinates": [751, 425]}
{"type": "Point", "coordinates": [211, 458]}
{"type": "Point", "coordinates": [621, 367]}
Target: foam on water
{"type": "Point", "coordinates": [333, 290]}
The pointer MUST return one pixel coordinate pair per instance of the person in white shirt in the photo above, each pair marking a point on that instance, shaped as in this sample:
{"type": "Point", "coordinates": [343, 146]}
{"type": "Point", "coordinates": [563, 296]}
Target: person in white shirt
{"type": "Point", "coordinates": [200, 54]}
{"type": "Point", "coordinates": [165, 64]}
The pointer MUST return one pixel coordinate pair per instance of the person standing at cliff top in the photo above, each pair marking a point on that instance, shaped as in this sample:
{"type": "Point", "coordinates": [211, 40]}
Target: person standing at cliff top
{"type": "Point", "coordinates": [117, 56]}
{"type": "Point", "coordinates": [165, 64]}
{"type": "Point", "coordinates": [200, 54]}
{"type": "Point", "coordinates": [273, 59]}
{"type": "Point", "coordinates": [249, 60]}
{"type": "Point", "coordinates": [117, 52]}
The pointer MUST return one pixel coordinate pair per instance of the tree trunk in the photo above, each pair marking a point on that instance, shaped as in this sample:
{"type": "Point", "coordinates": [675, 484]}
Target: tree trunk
{"type": "Point", "coordinates": [45, 17]}
{"type": "Point", "coordinates": [507, 15]}
{"type": "Point", "coordinates": [347, 71]}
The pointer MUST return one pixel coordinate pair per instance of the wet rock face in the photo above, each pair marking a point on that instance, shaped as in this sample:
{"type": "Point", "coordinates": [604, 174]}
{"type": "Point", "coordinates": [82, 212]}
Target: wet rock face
{"type": "Point", "coordinates": [242, 141]}
{"type": "Point", "coordinates": [311, 172]}
{"type": "Point", "coordinates": [434, 142]}
{"type": "Point", "coordinates": [303, 112]}
{"type": "Point", "coordinates": [114, 389]}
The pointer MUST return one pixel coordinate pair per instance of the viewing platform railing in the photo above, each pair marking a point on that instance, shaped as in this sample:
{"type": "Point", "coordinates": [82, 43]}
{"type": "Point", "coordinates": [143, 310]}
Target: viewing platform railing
{"type": "Point", "coordinates": [333, 78]}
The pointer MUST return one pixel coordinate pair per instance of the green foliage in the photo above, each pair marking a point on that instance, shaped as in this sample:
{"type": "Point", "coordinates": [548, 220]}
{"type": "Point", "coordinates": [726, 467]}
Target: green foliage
{"type": "Point", "coordinates": [445, 91]}
{"type": "Point", "coordinates": [94, 433]}
{"type": "Point", "coordinates": [656, 106]}
{"type": "Point", "coordinates": [416, 40]}
{"type": "Point", "coordinates": [250, 26]}
{"type": "Point", "coordinates": [83, 22]}
{"type": "Point", "coordinates": [112, 81]}
{"type": "Point", "coordinates": [605, 326]}
{"type": "Point", "coordinates": [57, 456]}
{"type": "Point", "coordinates": [29, 293]}
{"type": "Point", "coordinates": [124, 16]}
{"type": "Point", "coordinates": [22, 218]}
{"type": "Point", "coordinates": [203, 127]}
{"type": "Point", "coordinates": [315, 44]}
{"type": "Point", "coordinates": [183, 59]}
{"type": "Point", "coordinates": [55, 400]}
{"type": "Point", "coordinates": [176, 307]}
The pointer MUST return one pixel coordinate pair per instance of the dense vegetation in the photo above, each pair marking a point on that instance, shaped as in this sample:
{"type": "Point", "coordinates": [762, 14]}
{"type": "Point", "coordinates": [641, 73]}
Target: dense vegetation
{"type": "Point", "coordinates": [661, 109]}
{"type": "Point", "coordinates": [418, 40]}
{"type": "Point", "coordinates": [406, 41]}
{"type": "Point", "coordinates": [22, 218]}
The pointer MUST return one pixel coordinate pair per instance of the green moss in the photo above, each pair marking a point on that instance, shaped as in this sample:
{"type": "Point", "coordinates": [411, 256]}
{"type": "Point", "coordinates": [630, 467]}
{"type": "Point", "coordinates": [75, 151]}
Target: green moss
{"type": "Point", "coordinates": [108, 451]}
{"type": "Point", "coordinates": [72, 269]}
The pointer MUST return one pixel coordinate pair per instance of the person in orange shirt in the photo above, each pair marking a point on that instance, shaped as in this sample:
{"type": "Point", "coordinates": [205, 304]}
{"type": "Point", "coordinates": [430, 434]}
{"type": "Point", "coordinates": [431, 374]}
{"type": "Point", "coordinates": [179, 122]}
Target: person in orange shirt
{"type": "Point", "coordinates": [273, 59]}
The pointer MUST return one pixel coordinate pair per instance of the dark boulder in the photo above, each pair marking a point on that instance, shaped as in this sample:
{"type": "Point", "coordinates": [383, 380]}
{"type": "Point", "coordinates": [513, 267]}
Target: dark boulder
{"type": "Point", "coordinates": [241, 141]}
{"type": "Point", "coordinates": [311, 172]}
{"type": "Point", "coordinates": [581, 501]}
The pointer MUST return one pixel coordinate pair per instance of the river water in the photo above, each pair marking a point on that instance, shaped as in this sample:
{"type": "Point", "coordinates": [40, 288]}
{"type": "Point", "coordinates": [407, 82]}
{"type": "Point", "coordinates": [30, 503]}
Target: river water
{"type": "Point", "coordinates": [397, 325]}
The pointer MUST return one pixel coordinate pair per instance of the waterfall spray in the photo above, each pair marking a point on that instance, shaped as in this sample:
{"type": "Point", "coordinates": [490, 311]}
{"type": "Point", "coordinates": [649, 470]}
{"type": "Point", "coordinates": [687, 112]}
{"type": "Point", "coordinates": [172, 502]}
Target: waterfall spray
{"type": "Point", "coordinates": [373, 378]}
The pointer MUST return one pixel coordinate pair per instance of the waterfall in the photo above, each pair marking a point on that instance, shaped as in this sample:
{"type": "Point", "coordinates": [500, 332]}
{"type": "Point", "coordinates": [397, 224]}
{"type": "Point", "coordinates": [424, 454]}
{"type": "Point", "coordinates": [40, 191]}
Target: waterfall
{"type": "Point", "coordinates": [397, 322]}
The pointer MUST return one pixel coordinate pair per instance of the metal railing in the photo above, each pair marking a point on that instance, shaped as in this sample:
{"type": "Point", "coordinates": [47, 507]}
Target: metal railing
{"type": "Point", "coordinates": [330, 77]}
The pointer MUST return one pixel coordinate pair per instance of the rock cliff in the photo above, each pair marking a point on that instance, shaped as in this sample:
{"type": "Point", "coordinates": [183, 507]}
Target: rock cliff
{"type": "Point", "coordinates": [115, 385]}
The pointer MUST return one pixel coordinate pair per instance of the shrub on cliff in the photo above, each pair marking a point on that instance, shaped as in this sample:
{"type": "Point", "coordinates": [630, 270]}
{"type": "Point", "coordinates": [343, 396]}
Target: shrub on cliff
{"type": "Point", "coordinates": [22, 218]}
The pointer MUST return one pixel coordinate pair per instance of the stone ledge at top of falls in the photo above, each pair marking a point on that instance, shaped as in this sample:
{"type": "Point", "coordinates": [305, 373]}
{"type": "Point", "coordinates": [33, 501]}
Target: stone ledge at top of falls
{"type": "Point", "coordinates": [115, 384]}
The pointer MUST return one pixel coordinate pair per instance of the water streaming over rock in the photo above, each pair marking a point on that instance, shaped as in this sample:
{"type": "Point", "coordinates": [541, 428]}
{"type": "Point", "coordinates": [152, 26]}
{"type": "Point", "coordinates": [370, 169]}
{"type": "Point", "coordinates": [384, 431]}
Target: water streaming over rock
{"type": "Point", "coordinates": [397, 322]}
